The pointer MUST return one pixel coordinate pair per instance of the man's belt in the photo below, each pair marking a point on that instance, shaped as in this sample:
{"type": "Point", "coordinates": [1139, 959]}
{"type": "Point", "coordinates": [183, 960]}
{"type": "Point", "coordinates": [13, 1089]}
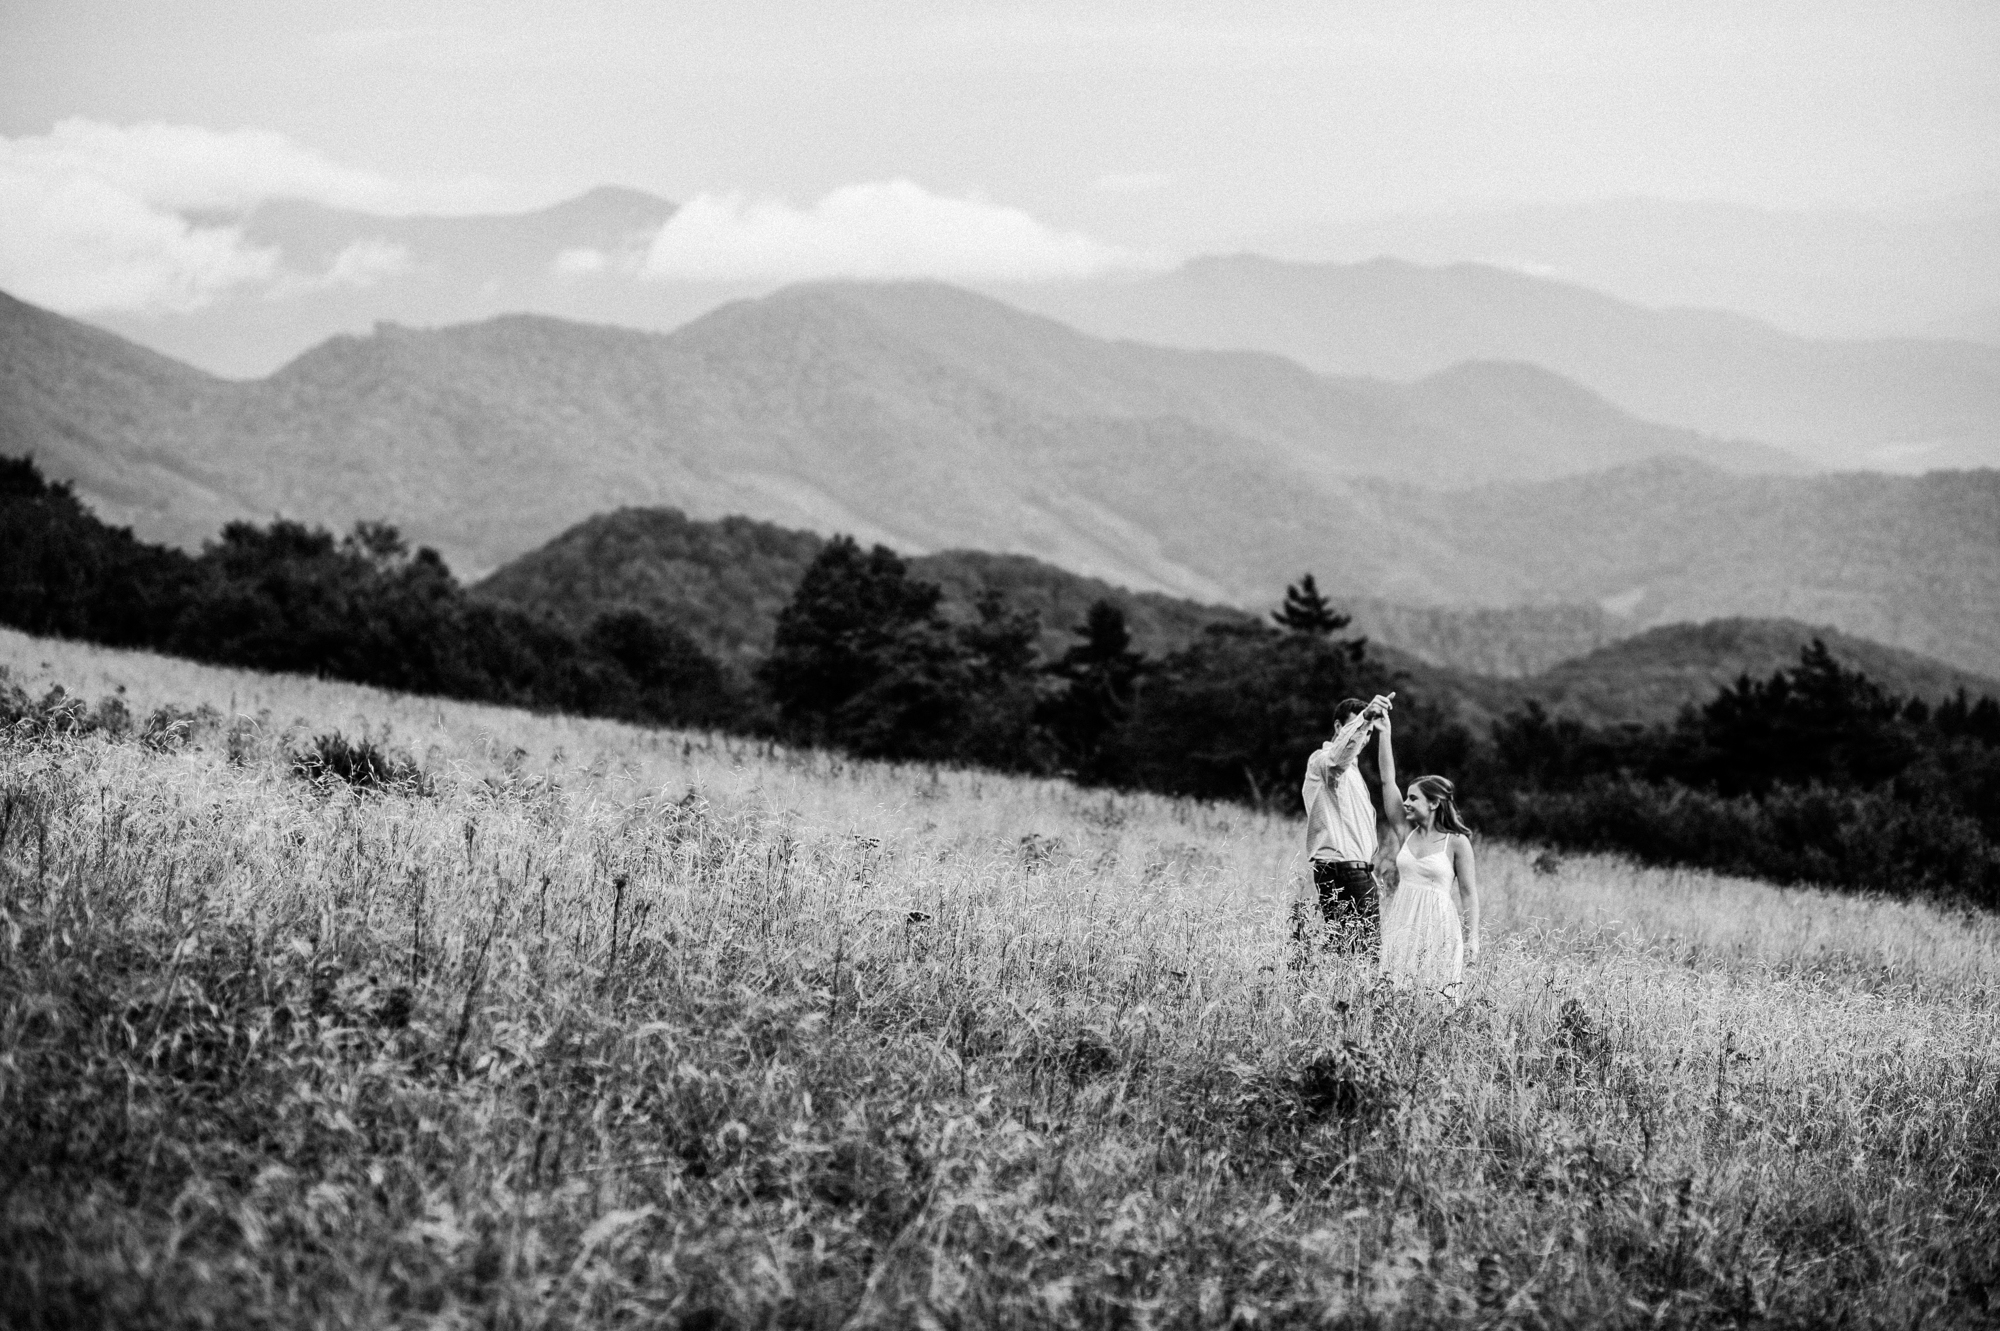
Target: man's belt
{"type": "Point", "coordinates": [1347, 864]}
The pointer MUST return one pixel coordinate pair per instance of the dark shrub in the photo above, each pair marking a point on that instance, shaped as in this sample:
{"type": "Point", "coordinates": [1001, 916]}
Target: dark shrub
{"type": "Point", "coordinates": [359, 763]}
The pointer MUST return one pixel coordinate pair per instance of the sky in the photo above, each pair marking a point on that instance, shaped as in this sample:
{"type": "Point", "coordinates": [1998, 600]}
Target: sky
{"type": "Point", "coordinates": [1059, 137]}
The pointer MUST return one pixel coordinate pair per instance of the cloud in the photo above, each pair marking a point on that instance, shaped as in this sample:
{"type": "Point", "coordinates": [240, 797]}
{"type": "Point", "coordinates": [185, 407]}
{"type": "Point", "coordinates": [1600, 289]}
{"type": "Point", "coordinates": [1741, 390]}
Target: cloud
{"type": "Point", "coordinates": [142, 217]}
{"type": "Point", "coordinates": [79, 244]}
{"type": "Point", "coordinates": [184, 168]}
{"type": "Point", "coordinates": [890, 229]}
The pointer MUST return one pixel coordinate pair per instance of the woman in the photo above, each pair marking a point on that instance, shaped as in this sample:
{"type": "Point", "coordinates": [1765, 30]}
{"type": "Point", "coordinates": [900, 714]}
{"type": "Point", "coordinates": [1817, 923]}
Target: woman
{"type": "Point", "coordinates": [1423, 944]}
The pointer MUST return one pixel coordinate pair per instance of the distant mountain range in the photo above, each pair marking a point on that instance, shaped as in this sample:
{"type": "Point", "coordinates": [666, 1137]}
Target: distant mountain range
{"type": "Point", "coordinates": [1888, 404]}
{"type": "Point", "coordinates": [1826, 272]}
{"type": "Point", "coordinates": [916, 413]}
{"type": "Point", "coordinates": [931, 418]}
{"type": "Point", "coordinates": [725, 583]}
{"type": "Point", "coordinates": [1898, 404]}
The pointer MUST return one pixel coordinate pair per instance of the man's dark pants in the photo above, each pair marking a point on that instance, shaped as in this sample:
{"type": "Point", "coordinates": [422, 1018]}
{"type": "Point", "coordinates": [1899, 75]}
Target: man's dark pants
{"type": "Point", "coordinates": [1347, 902]}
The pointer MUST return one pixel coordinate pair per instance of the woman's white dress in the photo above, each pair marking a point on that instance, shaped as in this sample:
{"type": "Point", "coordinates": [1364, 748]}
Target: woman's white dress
{"type": "Point", "coordinates": [1423, 945]}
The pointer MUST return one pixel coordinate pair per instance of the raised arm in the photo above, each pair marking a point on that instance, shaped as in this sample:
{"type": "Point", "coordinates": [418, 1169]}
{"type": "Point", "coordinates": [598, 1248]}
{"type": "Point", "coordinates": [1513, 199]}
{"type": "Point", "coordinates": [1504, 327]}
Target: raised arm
{"type": "Point", "coordinates": [1346, 745]}
{"type": "Point", "coordinates": [1468, 887]}
{"type": "Point", "coordinates": [1392, 793]}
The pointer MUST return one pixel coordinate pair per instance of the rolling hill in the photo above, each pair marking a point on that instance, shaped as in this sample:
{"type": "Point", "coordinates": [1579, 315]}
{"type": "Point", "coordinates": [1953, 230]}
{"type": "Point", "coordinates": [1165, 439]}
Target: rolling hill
{"type": "Point", "coordinates": [1897, 404]}
{"type": "Point", "coordinates": [725, 582]}
{"type": "Point", "coordinates": [932, 419]}
{"type": "Point", "coordinates": [912, 412]}
{"type": "Point", "coordinates": [110, 416]}
{"type": "Point", "coordinates": [1651, 675]}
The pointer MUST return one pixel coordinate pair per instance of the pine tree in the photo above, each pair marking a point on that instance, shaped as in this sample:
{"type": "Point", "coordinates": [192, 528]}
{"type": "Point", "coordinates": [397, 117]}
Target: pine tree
{"type": "Point", "coordinates": [1307, 610]}
{"type": "Point", "coordinates": [1099, 673]}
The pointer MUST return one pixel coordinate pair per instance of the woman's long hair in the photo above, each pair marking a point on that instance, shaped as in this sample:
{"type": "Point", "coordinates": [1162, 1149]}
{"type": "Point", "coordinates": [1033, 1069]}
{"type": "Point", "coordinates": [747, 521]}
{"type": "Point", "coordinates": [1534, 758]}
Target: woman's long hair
{"type": "Point", "coordinates": [1444, 816]}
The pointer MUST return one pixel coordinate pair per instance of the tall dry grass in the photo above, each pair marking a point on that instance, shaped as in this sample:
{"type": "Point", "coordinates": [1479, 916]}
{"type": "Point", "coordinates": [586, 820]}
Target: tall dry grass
{"type": "Point", "coordinates": [616, 1026]}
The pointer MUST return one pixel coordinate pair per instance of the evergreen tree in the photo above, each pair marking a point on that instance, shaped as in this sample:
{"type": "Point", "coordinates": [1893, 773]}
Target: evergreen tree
{"type": "Point", "coordinates": [1099, 675]}
{"type": "Point", "coordinates": [1817, 722]}
{"type": "Point", "coordinates": [1307, 610]}
{"type": "Point", "coordinates": [672, 680]}
{"type": "Point", "coordinates": [852, 621]}
{"type": "Point", "coordinates": [1235, 714]}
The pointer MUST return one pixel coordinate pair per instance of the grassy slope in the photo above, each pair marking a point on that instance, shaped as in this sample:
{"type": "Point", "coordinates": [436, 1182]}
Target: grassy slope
{"type": "Point", "coordinates": [910, 1047]}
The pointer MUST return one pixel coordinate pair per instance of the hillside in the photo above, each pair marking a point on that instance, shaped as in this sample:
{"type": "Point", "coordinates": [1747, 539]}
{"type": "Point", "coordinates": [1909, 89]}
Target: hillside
{"type": "Point", "coordinates": [908, 411]}
{"type": "Point", "coordinates": [725, 582]}
{"type": "Point", "coordinates": [821, 1050]}
{"type": "Point", "coordinates": [1910, 562]}
{"type": "Point", "coordinates": [932, 419]}
{"type": "Point", "coordinates": [1652, 675]}
{"type": "Point", "coordinates": [1895, 404]}
{"type": "Point", "coordinates": [96, 409]}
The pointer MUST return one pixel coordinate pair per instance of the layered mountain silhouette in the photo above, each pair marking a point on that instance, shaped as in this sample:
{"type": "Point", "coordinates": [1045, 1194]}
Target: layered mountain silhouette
{"type": "Point", "coordinates": [725, 583]}
{"type": "Point", "coordinates": [1891, 404]}
{"type": "Point", "coordinates": [931, 418]}
{"type": "Point", "coordinates": [1820, 272]}
{"type": "Point", "coordinates": [1896, 404]}
{"type": "Point", "coordinates": [915, 413]}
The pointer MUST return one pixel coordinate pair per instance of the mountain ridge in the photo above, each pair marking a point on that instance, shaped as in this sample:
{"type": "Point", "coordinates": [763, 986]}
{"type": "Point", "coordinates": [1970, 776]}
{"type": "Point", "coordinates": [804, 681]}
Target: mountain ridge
{"type": "Point", "coordinates": [1893, 403]}
{"type": "Point", "coordinates": [929, 418]}
{"type": "Point", "coordinates": [859, 381]}
{"type": "Point", "coordinates": [725, 582]}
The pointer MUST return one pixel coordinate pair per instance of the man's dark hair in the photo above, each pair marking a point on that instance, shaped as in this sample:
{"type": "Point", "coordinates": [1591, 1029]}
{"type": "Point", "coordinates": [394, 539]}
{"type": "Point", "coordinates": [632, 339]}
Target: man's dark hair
{"type": "Point", "coordinates": [1344, 711]}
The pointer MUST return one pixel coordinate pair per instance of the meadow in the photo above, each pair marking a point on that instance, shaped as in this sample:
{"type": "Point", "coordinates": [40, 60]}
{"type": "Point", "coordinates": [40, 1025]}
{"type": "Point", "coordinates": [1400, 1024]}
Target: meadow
{"type": "Point", "coordinates": [601, 1025]}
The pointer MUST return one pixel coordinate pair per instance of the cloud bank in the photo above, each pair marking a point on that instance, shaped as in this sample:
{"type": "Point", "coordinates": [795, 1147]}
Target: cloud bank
{"type": "Point", "coordinates": [184, 168]}
{"type": "Point", "coordinates": [141, 217]}
{"type": "Point", "coordinates": [147, 218]}
{"type": "Point", "coordinates": [77, 243]}
{"type": "Point", "coordinates": [890, 229]}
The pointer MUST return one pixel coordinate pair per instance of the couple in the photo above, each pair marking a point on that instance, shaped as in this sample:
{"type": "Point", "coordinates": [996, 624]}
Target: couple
{"type": "Point", "coordinates": [1421, 941]}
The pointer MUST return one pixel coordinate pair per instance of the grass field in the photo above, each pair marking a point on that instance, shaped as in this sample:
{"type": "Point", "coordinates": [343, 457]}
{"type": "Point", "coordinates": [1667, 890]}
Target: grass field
{"type": "Point", "coordinates": [611, 1026]}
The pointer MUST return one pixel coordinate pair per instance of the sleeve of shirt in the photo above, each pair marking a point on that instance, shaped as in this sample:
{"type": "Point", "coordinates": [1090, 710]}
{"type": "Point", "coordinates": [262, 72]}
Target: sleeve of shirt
{"type": "Point", "coordinates": [1315, 777]}
{"type": "Point", "coordinates": [1346, 746]}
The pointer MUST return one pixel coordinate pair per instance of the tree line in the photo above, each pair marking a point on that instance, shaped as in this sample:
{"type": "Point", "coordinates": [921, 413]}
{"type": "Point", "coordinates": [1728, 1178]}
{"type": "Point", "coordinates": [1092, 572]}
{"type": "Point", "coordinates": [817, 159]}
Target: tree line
{"type": "Point", "coordinates": [363, 607]}
{"type": "Point", "coordinates": [1813, 775]}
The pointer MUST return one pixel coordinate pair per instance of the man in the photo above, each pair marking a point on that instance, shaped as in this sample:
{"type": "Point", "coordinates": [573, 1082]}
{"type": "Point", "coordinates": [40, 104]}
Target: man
{"type": "Point", "coordinates": [1340, 829]}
